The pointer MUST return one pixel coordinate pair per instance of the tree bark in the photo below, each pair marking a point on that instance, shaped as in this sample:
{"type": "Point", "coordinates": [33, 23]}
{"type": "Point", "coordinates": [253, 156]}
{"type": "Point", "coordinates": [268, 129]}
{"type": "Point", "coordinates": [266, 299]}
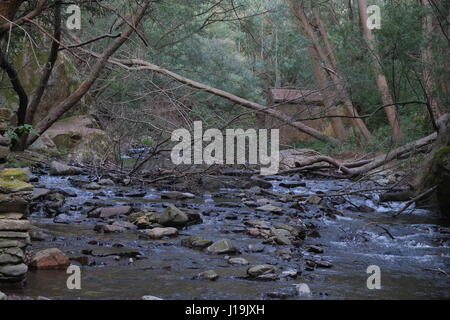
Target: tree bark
{"type": "Point", "coordinates": [309, 34]}
{"type": "Point", "coordinates": [84, 87]}
{"type": "Point", "coordinates": [427, 58]}
{"type": "Point", "coordinates": [338, 126]}
{"type": "Point", "coordinates": [382, 83]}
{"type": "Point", "coordinates": [17, 86]}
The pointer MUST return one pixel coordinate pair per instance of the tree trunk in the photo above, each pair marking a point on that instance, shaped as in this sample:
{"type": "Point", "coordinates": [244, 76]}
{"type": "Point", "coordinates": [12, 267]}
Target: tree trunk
{"type": "Point", "coordinates": [8, 9]}
{"type": "Point", "coordinates": [338, 126]}
{"type": "Point", "coordinates": [84, 87]}
{"type": "Point", "coordinates": [309, 34]}
{"type": "Point", "coordinates": [427, 58]}
{"type": "Point", "coordinates": [382, 83]}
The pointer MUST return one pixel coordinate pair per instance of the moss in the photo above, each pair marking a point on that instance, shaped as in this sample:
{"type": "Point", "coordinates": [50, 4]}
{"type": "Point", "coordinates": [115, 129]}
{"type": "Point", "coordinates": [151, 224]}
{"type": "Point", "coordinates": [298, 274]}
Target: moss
{"type": "Point", "coordinates": [14, 174]}
{"type": "Point", "coordinates": [11, 186]}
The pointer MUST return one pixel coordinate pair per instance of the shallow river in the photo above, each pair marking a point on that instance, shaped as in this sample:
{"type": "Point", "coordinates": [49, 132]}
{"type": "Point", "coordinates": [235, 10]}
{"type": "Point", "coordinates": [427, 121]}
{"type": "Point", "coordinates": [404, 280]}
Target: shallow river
{"type": "Point", "coordinates": [412, 250]}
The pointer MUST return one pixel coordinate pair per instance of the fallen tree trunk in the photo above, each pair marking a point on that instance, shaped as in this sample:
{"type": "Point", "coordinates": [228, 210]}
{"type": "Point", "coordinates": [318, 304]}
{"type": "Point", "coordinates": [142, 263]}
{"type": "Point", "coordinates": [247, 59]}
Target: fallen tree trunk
{"type": "Point", "coordinates": [144, 65]}
{"type": "Point", "coordinates": [394, 154]}
{"type": "Point", "coordinates": [361, 167]}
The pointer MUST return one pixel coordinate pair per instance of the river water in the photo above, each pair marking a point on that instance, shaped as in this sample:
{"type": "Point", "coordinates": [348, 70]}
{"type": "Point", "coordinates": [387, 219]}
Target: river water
{"type": "Point", "coordinates": [412, 250]}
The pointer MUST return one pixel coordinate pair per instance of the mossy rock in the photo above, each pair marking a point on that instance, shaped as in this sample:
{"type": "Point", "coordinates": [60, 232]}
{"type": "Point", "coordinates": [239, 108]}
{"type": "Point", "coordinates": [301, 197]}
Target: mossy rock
{"type": "Point", "coordinates": [12, 186]}
{"type": "Point", "coordinates": [14, 174]}
{"type": "Point", "coordinates": [439, 175]}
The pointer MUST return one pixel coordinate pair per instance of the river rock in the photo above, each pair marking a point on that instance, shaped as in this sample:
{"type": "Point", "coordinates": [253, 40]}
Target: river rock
{"type": "Point", "coordinates": [146, 220]}
{"type": "Point", "coordinates": [93, 186]}
{"type": "Point", "coordinates": [151, 298]}
{"type": "Point", "coordinates": [61, 169]}
{"type": "Point", "coordinates": [210, 275]}
{"type": "Point", "coordinates": [303, 290]}
{"type": "Point", "coordinates": [318, 264]}
{"type": "Point", "coordinates": [314, 199]}
{"type": "Point", "coordinates": [222, 247]}
{"type": "Point", "coordinates": [39, 193]}
{"type": "Point", "coordinates": [14, 186]}
{"type": "Point", "coordinates": [260, 270]}
{"type": "Point", "coordinates": [125, 224]}
{"type": "Point", "coordinates": [106, 182]}
{"type": "Point", "coordinates": [238, 261]}
{"type": "Point", "coordinates": [158, 233]}
{"type": "Point", "coordinates": [109, 212]}
{"type": "Point", "coordinates": [15, 174]}
{"type": "Point", "coordinates": [13, 271]}
{"type": "Point", "coordinates": [315, 249]}
{"type": "Point", "coordinates": [175, 195]}
{"type": "Point", "coordinates": [173, 217]}
{"type": "Point", "coordinates": [195, 242]}
{"type": "Point", "coordinates": [111, 228]}
{"type": "Point", "coordinates": [14, 225]}
{"type": "Point", "coordinates": [257, 182]}
{"type": "Point", "coordinates": [270, 208]}
{"type": "Point", "coordinates": [290, 273]}
{"type": "Point", "coordinates": [50, 259]}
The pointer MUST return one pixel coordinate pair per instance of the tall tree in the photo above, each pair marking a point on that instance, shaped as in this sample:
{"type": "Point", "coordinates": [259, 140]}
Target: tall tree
{"type": "Point", "coordinates": [309, 33]}
{"type": "Point", "coordinates": [382, 83]}
{"type": "Point", "coordinates": [427, 58]}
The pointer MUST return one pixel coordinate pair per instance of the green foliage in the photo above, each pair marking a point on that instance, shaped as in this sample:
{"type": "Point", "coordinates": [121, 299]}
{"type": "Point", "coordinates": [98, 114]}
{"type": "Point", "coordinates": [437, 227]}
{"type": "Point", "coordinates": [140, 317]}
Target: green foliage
{"type": "Point", "coordinates": [16, 132]}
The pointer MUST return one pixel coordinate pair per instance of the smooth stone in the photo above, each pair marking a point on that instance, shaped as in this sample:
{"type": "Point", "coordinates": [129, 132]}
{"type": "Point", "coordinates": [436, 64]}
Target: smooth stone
{"type": "Point", "coordinates": [270, 208]}
{"type": "Point", "coordinates": [151, 298]}
{"type": "Point", "coordinates": [303, 290]}
{"type": "Point", "coordinates": [210, 275]}
{"type": "Point", "coordinates": [50, 259]}
{"type": "Point", "coordinates": [14, 270]}
{"type": "Point", "coordinates": [93, 186]}
{"type": "Point", "coordinates": [222, 247]}
{"type": "Point", "coordinates": [61, 169]}
{"type": "Point", "coordinates": [39, 193]}
{"type": "Point", "coordinates": [14, 225]}
{"type": "Point", "coordinates": [173, 217]}
{"type": "Point", "coordinates": [238, 261]}
{"type": "Point", "coordinates": [158, 233]}
{"type": "Point", "coordinates": [195, 242]}
{"type": "Point", "coordinates": [175, 195]}
{"type": "Point", "coordinates": [109, 212]}
{"type": "Point", "coordinates": [260, 270]}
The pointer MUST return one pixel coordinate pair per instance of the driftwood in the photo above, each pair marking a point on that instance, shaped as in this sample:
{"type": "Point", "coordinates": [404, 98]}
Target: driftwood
{"type": "Point", "coordinates": [361, 167]}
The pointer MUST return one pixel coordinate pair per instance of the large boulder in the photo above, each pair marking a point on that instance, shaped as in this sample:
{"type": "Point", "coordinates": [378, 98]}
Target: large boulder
{"type": "Point", "coordinates": [61, 169]}
{"type": "Point", "coordinates": [50, 259]}
{"type": "Point", "coordinates": [222, 247]}
{"type": "Point", "coordinates": [80, 137]}
{"type": "Point", "coordinates": [436, 171]}
{"type": "Point", "coordinates": [173, 217]}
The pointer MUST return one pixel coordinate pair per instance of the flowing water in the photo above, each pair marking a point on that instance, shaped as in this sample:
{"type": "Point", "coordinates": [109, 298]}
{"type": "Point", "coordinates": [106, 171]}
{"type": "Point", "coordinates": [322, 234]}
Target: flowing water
{"type": "Point", "coordinates": [412, 250]}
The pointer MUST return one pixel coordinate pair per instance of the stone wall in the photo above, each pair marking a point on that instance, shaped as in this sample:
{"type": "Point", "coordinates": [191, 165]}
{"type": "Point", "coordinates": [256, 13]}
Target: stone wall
{"type": "Point", "coordinates": [15, 194]}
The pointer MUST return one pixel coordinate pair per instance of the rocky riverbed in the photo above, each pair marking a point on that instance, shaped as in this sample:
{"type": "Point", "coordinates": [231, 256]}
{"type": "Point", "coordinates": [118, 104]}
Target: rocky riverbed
{"type": "Point", "coordinates": [235, 238]}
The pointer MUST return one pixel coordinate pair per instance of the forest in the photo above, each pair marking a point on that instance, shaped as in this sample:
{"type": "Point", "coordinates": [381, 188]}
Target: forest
{"type": "Point", "coordinates": [224, 149]}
